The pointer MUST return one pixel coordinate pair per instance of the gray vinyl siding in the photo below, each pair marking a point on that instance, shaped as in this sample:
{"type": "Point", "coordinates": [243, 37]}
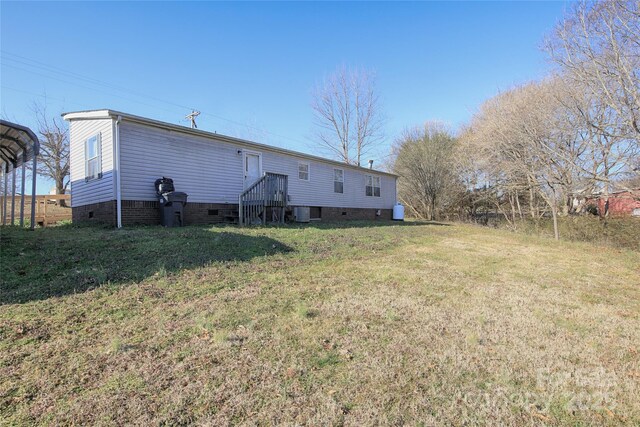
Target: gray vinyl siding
{"type": "Point", "coordinates": [210, 170]}
{"type": "Point", "coordinates": [318, 191]}
{"type": "Point", "coordinates": [98, 189]}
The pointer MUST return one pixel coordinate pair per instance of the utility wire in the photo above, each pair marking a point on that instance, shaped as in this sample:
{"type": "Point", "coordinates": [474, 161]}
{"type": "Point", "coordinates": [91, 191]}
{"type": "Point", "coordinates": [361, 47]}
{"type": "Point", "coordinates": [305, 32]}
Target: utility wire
{"type": "Point", "coordinates": [46, 68]}
{"type": "Point", "coordinates": [44, 96]}
{"type": "Point", "coordinates": [65, 73]}
{"type": "Point", "coordinates": [83, 87]}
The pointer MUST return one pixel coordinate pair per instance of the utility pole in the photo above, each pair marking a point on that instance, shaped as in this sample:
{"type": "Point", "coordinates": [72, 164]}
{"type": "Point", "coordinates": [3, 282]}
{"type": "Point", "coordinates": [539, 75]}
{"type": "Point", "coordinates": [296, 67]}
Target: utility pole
{"type": "Point", "coordinates": [192, 118]}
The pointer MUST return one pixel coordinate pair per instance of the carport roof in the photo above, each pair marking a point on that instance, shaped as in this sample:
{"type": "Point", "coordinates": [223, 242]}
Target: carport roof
{"type": "Point", "coordinates": [16, 139]}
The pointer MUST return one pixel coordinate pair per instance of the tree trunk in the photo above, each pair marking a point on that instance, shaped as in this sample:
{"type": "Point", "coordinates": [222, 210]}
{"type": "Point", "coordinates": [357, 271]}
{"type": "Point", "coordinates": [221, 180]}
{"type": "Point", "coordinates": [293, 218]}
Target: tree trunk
{"type": "Point", "coordinates": [433, 209]}
{"type": "Point", "coordinates": [566, 206]}
{"type": "Point", "coordinates": [605, 214]}
{"type": "Point", "coordinates": [60, 190]}
{"type": "Point", "coordinates": [554, 214]}
{"type": "Point", "coordinates": [513, 209]}
{"type": "Point", "coordinates": [534, 214]}
{"type": "Point", "coordinates": [519, 207]}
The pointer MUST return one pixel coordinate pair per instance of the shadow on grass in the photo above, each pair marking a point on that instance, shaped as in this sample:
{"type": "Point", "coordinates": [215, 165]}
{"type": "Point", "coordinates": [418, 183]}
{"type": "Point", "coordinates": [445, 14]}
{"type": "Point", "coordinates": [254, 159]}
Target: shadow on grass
{"type": "Point", "coordinates": [57, 261]}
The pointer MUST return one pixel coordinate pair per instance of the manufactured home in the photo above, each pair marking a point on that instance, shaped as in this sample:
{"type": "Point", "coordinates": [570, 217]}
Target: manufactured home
{"type": "Point", "coordinates": [116, 158]}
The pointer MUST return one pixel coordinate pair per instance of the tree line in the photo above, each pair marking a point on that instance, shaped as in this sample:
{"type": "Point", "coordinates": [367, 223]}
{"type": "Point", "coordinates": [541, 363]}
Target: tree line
{"type": "Point", "coordinates": [535, 149]}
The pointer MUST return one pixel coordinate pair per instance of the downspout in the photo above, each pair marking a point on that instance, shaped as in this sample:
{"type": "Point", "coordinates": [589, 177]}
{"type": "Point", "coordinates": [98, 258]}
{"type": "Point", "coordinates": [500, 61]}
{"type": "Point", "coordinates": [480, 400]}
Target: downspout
{"type": "Point", "coordinates": [116, 152]}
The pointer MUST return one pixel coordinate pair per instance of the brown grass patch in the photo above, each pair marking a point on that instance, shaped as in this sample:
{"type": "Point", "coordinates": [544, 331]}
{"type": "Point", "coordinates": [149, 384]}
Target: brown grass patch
{"type": "Point", "coordinates": [356, 325]}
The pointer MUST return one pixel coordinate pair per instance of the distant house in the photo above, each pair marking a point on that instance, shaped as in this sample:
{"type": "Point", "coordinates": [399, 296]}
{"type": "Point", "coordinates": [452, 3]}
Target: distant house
{"type": "Point", "coordinates": [621, 203]}
{"type": "Point", "coordinates": [116, 158]}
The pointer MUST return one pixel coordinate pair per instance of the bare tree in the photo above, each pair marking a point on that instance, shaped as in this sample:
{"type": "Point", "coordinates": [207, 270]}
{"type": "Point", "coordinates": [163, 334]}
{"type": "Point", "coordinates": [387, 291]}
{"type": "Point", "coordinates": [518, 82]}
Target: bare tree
{"type": "Point", "coordinates": [597, 50]}
{"type": "Point", "coordinates": [608, 155]}
{"type": "Point", "coordinates": [424, 160]}
{"type": "Point", "coordinates": [347, 114]}
{"type": "Point", "coordinates": [526, 149]}
{"type": "Point", "coordinates": [598, 46]}
{"type": "Point", "coordinates": [576, 132]}
{"type": "Point", "coordinates": [53, 161]}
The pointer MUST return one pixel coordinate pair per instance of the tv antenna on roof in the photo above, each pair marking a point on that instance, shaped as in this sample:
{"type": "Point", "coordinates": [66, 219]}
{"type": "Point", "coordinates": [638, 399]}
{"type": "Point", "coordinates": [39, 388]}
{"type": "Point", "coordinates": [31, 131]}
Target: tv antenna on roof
{"type": "Point", "coordinates": [192, 118]}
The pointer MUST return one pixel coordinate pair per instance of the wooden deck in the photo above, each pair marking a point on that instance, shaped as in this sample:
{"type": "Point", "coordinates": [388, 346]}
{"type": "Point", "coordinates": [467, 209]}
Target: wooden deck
{"type": "Point", "coordinates": [50, 209]}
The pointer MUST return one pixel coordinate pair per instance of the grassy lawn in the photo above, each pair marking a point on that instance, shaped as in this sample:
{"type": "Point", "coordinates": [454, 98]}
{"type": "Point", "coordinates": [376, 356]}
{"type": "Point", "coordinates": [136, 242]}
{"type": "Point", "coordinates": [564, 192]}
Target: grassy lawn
{"type": "Point", "coordinates": [351, 324]}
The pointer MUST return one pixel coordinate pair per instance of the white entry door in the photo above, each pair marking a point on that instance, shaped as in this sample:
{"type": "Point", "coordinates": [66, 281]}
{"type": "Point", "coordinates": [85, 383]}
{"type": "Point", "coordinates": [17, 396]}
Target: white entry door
{"type": "Point", "coordinates": [252, 168]}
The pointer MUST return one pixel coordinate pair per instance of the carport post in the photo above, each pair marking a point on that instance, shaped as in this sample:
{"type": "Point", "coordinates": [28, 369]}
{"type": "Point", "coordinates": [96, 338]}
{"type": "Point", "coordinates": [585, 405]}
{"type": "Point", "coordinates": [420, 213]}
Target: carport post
{"type": "Point", "coordinates": [33, 191]}
{"type": "Point", "coordinates": [5, 169]}
{"type": "Point", "coordinates": [13, 195]}
{"type": "Point", "coordinates": [24, 169]}
{"type": "Point", "coordinates": [4, 190]}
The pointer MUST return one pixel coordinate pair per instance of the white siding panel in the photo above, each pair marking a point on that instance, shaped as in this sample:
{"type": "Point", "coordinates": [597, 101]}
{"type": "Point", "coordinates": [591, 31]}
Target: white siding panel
{"type": "Point", "coordinates": [318, 191]}
{"type": "Point", "coordinates": [95, 190]}
{"type": "Point", "coordinates": [210, 171]}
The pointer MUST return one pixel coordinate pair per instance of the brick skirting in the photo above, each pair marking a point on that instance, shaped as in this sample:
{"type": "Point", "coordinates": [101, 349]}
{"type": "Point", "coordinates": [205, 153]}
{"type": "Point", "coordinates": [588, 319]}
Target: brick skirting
{"type": "Point", "coordinates": [103, 212]}
{"type": "Point", "coordinates": [341, 214]}
{"type": "Point", "coordinates": [147, 212]}
{"type": "Point", "coordinates": [140, 212]}
{"type": "Point", "coordinates": [210, 213]}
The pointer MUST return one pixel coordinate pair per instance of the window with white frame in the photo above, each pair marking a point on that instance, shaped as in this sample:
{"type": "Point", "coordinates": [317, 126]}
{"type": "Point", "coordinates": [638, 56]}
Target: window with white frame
{"type": "Point", "coordinates": [372, 185]}
{"type": "Point", "coordinates": [303, 171]}
{"type": "Point", "coordinates": [92, 158]}
{"type": "Point", "coordinates": [338, 181]}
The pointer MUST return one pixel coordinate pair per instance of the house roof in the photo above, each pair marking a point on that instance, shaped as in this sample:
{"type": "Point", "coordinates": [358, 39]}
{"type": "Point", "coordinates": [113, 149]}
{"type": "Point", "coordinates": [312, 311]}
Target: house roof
{"type": "Point", "coordinates": [110, 114]}
{"type": "Point", "coordinates": [16, 140]}
{"type": "Point", "coordinates": [620, 191]}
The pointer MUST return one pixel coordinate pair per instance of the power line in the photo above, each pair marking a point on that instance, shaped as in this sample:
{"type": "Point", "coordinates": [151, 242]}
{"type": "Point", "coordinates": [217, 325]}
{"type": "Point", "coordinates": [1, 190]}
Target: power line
{"type": "Point", "coordinates": [42, 65]}
{"type": "Point", "coordinates": [82, 86]}
{"type": "Point", "coordinates": [46, 68]}
{"type": "Point", "coordinates": [108, 85]}
{"type": "Point", "coordinates": [43, 96]}
{"type": "Point", "coordinates": [65, 73]}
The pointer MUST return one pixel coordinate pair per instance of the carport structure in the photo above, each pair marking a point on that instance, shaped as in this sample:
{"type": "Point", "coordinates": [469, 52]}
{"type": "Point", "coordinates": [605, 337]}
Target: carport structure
{"type": "Point", "coordinates": [18, 146]}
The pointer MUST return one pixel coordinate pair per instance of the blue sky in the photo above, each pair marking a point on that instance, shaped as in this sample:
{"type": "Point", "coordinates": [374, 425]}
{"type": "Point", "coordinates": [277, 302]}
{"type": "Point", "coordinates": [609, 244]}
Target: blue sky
{"type": "Point", "coordinates": [250, 67]}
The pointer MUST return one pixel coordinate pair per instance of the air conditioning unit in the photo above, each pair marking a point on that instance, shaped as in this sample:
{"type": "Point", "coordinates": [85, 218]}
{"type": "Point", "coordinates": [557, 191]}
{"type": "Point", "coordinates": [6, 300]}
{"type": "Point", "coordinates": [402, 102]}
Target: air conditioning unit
{"type": "Point", "coordinates": [301, 213]}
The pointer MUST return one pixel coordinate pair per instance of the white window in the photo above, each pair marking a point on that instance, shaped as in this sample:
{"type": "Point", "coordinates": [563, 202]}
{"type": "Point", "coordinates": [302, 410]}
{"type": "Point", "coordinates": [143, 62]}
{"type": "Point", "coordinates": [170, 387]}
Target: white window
{"type": "Point", "coordinates": [338, 181]}
{"type": "Point", "coordinates": [303, 171]}
{"type": "Point", "coordinates": [372, 185]}
{"type": "Point", "coordinates": [92, 158]}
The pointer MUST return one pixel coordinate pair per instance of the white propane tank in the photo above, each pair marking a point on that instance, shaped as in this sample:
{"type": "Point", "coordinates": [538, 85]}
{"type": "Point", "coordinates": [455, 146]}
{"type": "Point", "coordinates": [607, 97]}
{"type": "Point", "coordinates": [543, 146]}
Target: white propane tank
{"type": "Point", "coordinates": [398, 212]}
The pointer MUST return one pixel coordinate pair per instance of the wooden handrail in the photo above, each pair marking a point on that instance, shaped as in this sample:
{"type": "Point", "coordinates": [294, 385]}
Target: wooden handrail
{"type": "Point", "coordinates": [262, 179]}
{"type": "Point", "coordinates": [268, 191]}
{"type": "Point", "coordinates": [54, 196]}
{"type": "Point", "coordinates": [40, 197]}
